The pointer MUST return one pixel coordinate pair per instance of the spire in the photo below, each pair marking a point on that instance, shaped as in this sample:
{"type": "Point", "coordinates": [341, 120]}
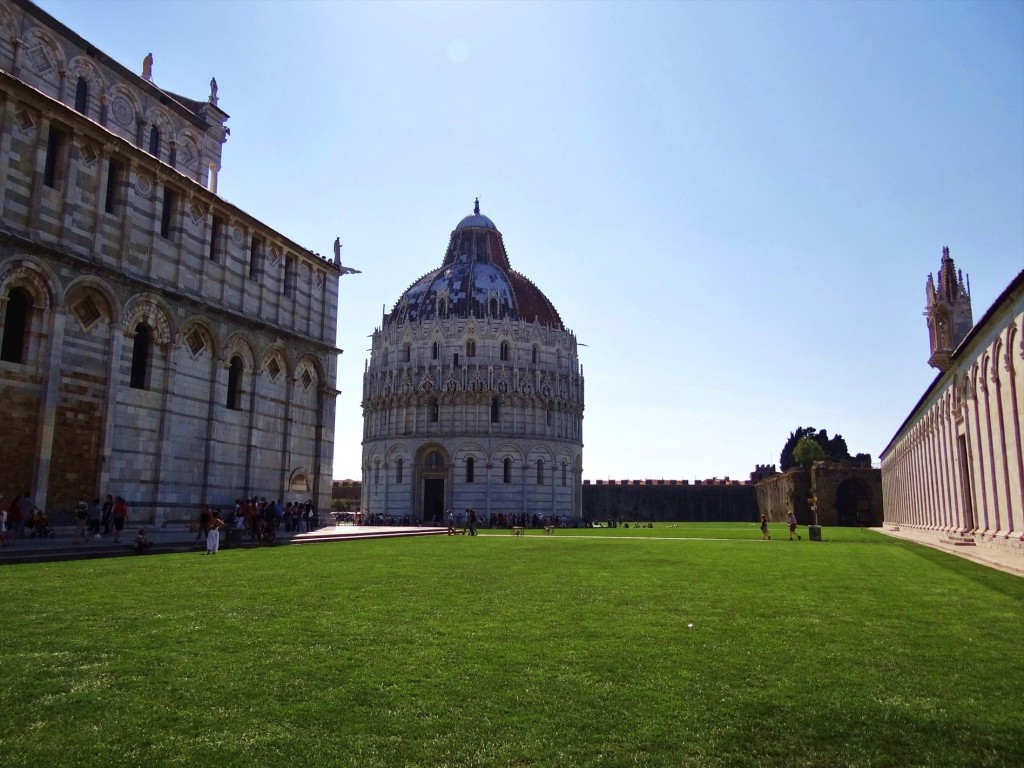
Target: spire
{"type": "Point", "coordinates": [476, 207]}
{"type": "Point", "coordinates": [948, 311]}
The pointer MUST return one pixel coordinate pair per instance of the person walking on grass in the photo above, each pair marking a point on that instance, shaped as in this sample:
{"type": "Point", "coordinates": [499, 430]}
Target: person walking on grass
{"type": "Point", "coordinates": [764, 528]}
{"type": "Point", "coordinates": [792, 527]}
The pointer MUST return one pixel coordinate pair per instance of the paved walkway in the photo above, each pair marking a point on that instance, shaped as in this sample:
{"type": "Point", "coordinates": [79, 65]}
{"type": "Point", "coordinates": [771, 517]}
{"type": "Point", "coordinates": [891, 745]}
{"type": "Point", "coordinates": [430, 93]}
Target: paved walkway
{"type": "Point", "coordinates": [1001, 559]}
{"type": "Point", "coordinates": [178, 539]}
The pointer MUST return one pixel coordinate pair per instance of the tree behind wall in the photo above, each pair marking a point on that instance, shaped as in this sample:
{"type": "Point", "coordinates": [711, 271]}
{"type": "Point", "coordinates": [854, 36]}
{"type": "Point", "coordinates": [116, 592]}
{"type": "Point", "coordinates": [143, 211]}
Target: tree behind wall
{"type": "Point", "coordinates": [834, 448]}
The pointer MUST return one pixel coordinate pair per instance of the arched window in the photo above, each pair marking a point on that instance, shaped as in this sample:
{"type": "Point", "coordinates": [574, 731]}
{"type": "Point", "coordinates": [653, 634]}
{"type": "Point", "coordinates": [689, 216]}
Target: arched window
{"type": "Point", "coordinates": [470, 469]}
{"type": "Point", "coordinates": [140, 356]}
{"type": "Point", "coordinates": [442, 308]}
{"type": "Point", "coordinates": [506, 471]}
{"type": "Point", "coordinates": [549, 416]}
{"type": "Point", "coordinates": [17, 321]}
{"type": "Point", "coordinates": [540, 471]}
{"type": "Point", "coordinates": [495, 411]}
{"type": "Point", "coordinates": [435, 350]}
{"type": "Point", "coordinates": [471, 348]}
{"type": "Point", "coordinates": [376, 473]}
{"type": "Point", "coordinates": [494, 307]}
{"type": "Point", "coordinates": [434, 461]}
{"type": "Point", "coordinates": [535, 355]}
{"type": "Point", "coordinates": [154, 141]}
{"type": "Point", "coordinates": [82, 95]}
{"type": "Point", "coordinates": [565, 474]}
{"type": "Point", "coordinates": [406, 353]}
{"type": "Point", "coordinates": [504, 351]}
{"type": "Point", "coordinates": [432, 406]}
{"type": "Point", "coordinates": [399, 466]}
{"type": "Point", "coordinates": [235, 368]}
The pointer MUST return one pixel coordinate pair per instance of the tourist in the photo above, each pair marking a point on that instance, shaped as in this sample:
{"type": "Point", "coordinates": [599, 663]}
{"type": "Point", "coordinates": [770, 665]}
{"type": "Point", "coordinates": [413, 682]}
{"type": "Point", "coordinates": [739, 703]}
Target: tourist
{"type": "Point", "coordinates": [81, 518]}
{"type": "Point", "coordinates": [19, 514]}
{"type": "Point", "coordinates": [451, 523]}
{"type": "Point", "coordinates": [213, 536]}
{"type": "Point", "coordinates": [792, 526]}
{"type": "Point", "coordinates": [119, 516]}
{"type": "Point", "coordinates": [3, 522]}
{"type": "Point", "coordinates": [93, 518]}
{"type": "Point", "coordinates": [142, 543]}
{"type": "Point", "coordinates": [764, 528]}
{"type": "Point", "coordinates": [108, 510]}
{"type": "Point", "coordinates": [472, 522]}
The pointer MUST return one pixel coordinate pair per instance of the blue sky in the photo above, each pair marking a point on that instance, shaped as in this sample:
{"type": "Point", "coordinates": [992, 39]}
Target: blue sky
{"type": "Point", "coordinates": [733, 205]}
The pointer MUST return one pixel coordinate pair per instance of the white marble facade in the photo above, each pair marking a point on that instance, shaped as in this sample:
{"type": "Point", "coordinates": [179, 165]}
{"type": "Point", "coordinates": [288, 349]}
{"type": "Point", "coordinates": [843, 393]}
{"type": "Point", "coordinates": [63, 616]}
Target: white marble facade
{"type": "Point", "coordinates": [159, 343]}
{"type": "Point", "coordinates": [956, 465]}
{"type": "Point", "coordinates": [473, 394]}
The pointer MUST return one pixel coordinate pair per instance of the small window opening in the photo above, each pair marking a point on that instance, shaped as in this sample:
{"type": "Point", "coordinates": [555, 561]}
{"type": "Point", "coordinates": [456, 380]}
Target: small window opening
{"type": "Point", "coordinates": [433, 409]}
{"type": "Point", "coordinates": [56, 151]}
{"type": "Point", "coordinates": [255, 246]}
{"type": "Point", "coordinates": [495, 411]}
{"type": "Point", "coordinates": [216, 232]}
{"type": "Point", "coordinates": [140, 356]}
{"type": "Point", "coordinates": [506, 471]}
{"type": "Point", "coordinates": [235, 369]}
{"type": "Point", "coordinates": [471, 348]}
{"type": "Point", "coordinates": [167, 213]}
{"type": "Point", "coordinates": [540, 471]}
{"type": "Point", "coordinates": [115, 176]}
{"type": "Point", "coordinates": [399, 467]}
{"type": "Point", "coordinates": [470, 470]}
{"type": "Point", "coordinates": [504, 351]}
{"type": "Point", "coordinates": [154, 142]}
{"type": "Point", "coordinates": [17, 321]}
{"type": "Point", "coordinates": [82, 96]}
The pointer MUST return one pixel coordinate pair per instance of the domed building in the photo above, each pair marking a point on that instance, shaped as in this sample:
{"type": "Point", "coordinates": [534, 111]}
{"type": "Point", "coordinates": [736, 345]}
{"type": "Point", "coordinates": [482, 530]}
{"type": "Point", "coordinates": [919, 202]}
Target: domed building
{"type": "Point", "coordinates": [473, 394]}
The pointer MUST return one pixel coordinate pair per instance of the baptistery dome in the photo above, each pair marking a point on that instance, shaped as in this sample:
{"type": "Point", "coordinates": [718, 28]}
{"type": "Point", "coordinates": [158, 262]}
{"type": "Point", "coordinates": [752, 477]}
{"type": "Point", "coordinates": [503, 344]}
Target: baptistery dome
{"type": "Point", "coordinates": [475, 280]}
{"type": "Point", "coordinates": [473, 394]}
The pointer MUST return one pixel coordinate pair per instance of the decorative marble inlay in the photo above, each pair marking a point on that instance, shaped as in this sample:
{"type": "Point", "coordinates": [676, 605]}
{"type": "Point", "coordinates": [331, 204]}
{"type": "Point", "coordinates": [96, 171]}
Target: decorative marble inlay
{"type": "Point", "coordinates": [122, 111]}
{"type": "Point", "coordinates": [187, 155]}
{"type": "Point", "coordinates": [304, 273]}
{"type": "Point", "coordinates": [275, 255]}
{"type": "Point", "coordinates": [274, 369]}
{"type": "Point", "coordinates": [198, 211]}
{"type": "Point", "coordinates": [306, 380]}
{"type": "Point", "coordinates": [39, 60]}
{"type": "Point", "coordinates": [320, 276]}
{"type": "Point", "coordinates": [237, 236]}
{"type": "Point", "coordinates": [87, 312]}
{"type": "Point", "coordinates": [143, 185]}
{"type": "Point", "coordinates": [25, 120]}
{"type": "Point", "coordinates": [196, 343]}
{"type": "Point", "coordinates": [88, 154]}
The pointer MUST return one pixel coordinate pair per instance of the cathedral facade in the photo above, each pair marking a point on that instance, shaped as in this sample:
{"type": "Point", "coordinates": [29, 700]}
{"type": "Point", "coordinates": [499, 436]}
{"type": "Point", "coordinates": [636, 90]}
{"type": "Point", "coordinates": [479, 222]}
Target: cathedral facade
{"type": "Point", "coordinates": [158, 342]}
{"type": "Point", "coordinates": [956, 465]}
{"type": "Point", "coordinates": [473, 394]}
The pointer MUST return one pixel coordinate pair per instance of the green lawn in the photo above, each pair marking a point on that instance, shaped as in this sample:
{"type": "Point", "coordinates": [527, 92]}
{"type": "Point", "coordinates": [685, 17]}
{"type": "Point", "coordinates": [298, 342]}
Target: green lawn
{"type": "Point", "coordinates": [563, 650]}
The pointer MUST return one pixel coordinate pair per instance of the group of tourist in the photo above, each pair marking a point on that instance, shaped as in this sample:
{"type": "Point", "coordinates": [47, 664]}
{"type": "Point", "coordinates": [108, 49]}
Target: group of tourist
{"type": "Point", "coordinates": [263, 519]}
{"type": "Point", "coordinates": [790, 521]}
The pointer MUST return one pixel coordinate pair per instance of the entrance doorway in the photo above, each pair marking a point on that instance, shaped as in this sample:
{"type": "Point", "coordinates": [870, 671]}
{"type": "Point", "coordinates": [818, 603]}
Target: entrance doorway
{"type": "Point", "coordinates": [853, 505]}
{"type": "Point", "coordinates": [433, 500]}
